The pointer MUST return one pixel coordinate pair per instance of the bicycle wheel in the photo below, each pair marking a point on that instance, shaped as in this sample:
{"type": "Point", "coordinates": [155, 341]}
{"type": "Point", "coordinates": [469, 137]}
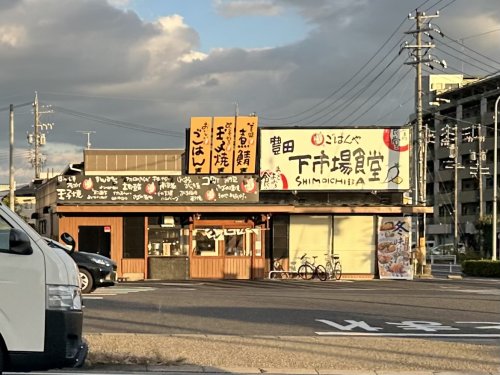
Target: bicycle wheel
{"type": "Point", "coordinates": [337, 271]}
{"type": "Point", "coordinates": [320, 271]}
{"type": "Point", "coordinates": [329, 270]}
{"type": "Point", "coordinates": [305, 272]}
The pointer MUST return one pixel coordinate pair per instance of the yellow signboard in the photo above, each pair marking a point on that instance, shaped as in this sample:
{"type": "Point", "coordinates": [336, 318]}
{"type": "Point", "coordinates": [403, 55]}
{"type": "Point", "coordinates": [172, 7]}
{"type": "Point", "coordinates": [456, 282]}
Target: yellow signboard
{"type": "Point", "coordinates": [335, 159]}
{"type": "Point", "coordinates": [223, 145]}
{"type": "Point", "coordinates": [199, 145]}
{"type": "Point", "coordinates": [245, 147]}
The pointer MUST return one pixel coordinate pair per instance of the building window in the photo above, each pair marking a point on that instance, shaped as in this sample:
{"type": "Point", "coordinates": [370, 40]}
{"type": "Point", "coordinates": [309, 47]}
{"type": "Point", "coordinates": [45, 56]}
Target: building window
{"type": "Point", "coordinates": [469, 208]}
{"type": "Point", "coordinates": [470, 184]}
{"type": "Point", "coordinates": [133, 237]}
{"type": "Point", "coordinates": [206, 241]}
{"type": "Point", "coordinates": [234, 243]}
{"type": "Point", "coordinates": [446, 187]}
{"type": "Point", "coordinates": [166, 237]}
{"type": "Point", "coordinates": [445, 210]}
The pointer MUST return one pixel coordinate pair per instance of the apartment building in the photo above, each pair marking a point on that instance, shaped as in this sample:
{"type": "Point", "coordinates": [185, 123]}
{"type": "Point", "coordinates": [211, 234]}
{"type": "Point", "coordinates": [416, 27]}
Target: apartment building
{"type": "Point", "coordinates": [468, 105]}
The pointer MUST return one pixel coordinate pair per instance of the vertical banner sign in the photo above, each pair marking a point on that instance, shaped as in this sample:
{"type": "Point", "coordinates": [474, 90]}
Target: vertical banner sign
{"type": "Point", "coordinates": [223, 145]}
{"type": "Point", "coordinates": [393, 248]}
{"type": "Point", "coordinates": [200, 134]}
{"type": "Point", "coordinates": [245, 148]}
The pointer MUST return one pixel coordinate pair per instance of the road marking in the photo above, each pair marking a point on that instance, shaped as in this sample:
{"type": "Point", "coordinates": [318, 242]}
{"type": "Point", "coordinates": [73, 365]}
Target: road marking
{"type": "Point", "coordinates": [381, 334]}
{"type": "Point", "coordinates": [492, 292]}
{"type": "Point", "coordinates": [114, 291]}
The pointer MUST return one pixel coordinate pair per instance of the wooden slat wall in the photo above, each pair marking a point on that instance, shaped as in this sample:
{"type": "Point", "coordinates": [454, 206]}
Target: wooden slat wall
{"type": "Point", "coordinates": [133, 266]}
{"type": "Point", "coordinates": [207, 268]}
{"type": "Point", "coordinates": [259, 271]}
{"type": "Point", "coordinates": [237, 267]}
{"type": "Point", "coordinates": [71, 224]}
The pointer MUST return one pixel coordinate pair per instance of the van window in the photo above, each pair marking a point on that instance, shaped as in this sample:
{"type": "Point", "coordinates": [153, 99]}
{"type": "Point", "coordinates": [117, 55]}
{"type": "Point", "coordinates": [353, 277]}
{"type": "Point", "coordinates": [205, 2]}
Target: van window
{"type": "Point", "coordinates": [4, 236]}
{"type": "Point", "coordinates": [3, 224]}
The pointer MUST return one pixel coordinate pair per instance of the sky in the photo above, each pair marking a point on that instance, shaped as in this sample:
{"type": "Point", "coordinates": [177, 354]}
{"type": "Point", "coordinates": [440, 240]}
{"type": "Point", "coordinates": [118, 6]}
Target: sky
{"type": "Point", "coordinates": [133, 72]}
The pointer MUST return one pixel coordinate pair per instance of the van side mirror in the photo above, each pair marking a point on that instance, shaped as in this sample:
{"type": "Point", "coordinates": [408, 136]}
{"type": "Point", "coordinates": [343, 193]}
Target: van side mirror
{"type": "Point", "coordinates": [68, 240]}
{"type": "Point", "coordinates": [19, 242]}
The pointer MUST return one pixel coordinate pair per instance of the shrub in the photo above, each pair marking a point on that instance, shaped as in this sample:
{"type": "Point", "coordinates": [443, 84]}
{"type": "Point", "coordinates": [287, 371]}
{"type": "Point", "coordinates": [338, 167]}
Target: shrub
{"type": "Point", "coordinates": [484, 268]}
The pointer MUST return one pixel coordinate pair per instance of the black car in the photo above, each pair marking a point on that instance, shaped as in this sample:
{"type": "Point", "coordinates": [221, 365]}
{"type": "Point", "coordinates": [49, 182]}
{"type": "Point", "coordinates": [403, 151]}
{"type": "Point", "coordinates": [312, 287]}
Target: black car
{"type": "Point", "coordinates": [95, 270]}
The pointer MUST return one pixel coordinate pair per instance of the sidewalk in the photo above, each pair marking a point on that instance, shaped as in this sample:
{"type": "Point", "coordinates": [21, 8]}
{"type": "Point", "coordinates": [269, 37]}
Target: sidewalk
{"type": "Point", "coordinates": [197, 370]}
{"type": "Point", "coordinates": [218, 354]}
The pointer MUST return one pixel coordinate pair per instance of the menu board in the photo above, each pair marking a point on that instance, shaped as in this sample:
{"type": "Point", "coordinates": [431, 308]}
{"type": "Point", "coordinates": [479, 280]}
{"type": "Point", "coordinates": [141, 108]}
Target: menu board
{"type": "Point", "coordinates": [158, 189]}
{"type": "Point", "coordinates": [393, 248]}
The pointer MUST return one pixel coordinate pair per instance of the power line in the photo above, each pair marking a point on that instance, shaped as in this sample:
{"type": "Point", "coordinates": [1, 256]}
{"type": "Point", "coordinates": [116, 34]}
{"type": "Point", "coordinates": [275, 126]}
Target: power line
{"type": "Point", "coordinates": [469, 56]}
{"type": "Point", "coordinates": [4, 109]}
{"type": "Point", "coordinates": [357, 95]}
{"type": "Point", "coordinates": [118, 123]}
{"type": "Point", "coordinates": [398, 82]}
{"type": "Point", "coordinates": [344, 84]}
{"type": "Point", "coordinates": [470, 49]}
{"type": "Point", "coordinates": [370, 97]}
{"type": "Point", "coordinates": [398, 107]}
{"type": "Point", "coordinates": [447, 5]}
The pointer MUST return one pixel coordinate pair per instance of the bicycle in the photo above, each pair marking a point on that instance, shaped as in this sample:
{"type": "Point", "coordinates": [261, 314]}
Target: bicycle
{"type": "Point", "coordinates": [309, 270]}
{"type": "Point", "coordinates": [333, 266]}
{"type": "Point", "coordinates": [278, 271]}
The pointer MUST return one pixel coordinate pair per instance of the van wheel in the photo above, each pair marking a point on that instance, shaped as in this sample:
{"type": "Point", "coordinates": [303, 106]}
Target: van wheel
{"type": "Point", "coordinates": [86, 281]}
{"type": "Point", "coordinates": [1, 360]}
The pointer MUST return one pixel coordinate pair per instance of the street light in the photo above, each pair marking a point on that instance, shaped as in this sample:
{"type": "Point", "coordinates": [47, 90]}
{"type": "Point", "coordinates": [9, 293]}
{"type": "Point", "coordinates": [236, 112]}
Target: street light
{"type": "Point", "coordinates": [495, 187]}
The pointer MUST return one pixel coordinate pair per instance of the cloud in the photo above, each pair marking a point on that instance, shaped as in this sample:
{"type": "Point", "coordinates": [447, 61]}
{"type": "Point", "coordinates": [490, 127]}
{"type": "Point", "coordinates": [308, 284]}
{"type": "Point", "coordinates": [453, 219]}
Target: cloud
{"type": "Point", "coordinates": [120, 76]}
{"type": "Point", "coordinates": [238, 8]}
{"type": "Point", "coordinates": [12, 35]}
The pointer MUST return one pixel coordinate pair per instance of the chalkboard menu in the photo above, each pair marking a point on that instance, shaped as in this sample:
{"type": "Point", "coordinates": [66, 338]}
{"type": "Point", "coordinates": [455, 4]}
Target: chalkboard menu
{"type": "Point", "coordinates": [186, 189]}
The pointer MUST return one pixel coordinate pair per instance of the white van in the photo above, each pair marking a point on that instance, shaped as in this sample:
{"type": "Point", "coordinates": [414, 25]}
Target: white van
{"type": "Point", "coordinates": [40, 301]}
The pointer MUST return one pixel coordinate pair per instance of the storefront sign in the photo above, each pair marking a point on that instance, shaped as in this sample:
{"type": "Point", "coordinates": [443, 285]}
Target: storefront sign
{"type": "Point", "coordinates": [335, 159]}
{"type": "Point", "coordinates": [393, 248]}
{"type": "Point", "coordinates": [158, 189]}
{"type": "Point", "coordinates": [222, 145]}
{"type": "Point", "coordinates": [200, 134]}
{"type": "Point", "coordinates": [245, 147]}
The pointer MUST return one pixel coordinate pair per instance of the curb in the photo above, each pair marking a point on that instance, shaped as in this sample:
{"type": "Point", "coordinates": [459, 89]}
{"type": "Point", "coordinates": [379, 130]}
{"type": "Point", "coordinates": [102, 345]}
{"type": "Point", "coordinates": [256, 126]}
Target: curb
{"type": "Point", "coordinates": [186, 370]}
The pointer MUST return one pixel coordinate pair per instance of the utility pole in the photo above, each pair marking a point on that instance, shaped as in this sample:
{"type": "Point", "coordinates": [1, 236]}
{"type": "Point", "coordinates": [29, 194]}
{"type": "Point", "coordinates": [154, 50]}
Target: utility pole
{"type": "Point", "coordinates": [87, 132]}
{"type": "Point", "coordinates": [454, 153]}
{"type": "Point", "coordinates": [495, 184]}
{"type": "Point", "coordinates": [420, 154]}
{"type": "Point", "coordinates": [478, 171]}
{"type": "Point", "coordinates": [11, 159]}
{"type": "Point", "coordinates": [37, 138]}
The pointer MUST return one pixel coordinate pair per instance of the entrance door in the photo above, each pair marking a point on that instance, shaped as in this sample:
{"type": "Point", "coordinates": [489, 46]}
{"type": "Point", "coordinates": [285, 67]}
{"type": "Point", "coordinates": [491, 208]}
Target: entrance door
{"type": "Point", "coordinates": [94, 239]}
{"type": "Point", "coordinates": [237, 254]}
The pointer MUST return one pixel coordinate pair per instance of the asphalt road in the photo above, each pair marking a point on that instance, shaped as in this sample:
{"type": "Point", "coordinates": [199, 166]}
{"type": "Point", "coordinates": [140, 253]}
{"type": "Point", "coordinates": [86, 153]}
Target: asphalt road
{"type": "Point", "coordinates": [456, 310]}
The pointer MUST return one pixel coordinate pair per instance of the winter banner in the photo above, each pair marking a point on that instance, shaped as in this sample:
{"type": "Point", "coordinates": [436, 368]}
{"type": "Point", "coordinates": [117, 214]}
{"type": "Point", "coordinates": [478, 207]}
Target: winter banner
{"type": "Point", "coordinates": [393, 248]}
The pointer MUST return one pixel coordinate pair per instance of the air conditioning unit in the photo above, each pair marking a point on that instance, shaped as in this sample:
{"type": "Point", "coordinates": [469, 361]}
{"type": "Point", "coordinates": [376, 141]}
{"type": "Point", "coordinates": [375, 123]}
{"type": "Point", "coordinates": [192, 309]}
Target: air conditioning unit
{"type": "Point", "coordinates": [167, 222]}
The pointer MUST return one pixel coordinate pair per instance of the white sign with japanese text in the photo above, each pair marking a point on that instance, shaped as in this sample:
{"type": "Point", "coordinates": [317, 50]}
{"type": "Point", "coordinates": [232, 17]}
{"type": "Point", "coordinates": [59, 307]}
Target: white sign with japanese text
{"type": "Point", "coordinates": [335, 159]}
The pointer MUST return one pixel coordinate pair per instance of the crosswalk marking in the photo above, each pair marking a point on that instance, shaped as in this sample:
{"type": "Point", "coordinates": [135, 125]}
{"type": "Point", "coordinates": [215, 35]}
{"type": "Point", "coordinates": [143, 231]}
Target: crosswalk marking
{"type": "Point", "coordinates": [492, 292]}
{"type": "Point", "coordinates": [116, 290]}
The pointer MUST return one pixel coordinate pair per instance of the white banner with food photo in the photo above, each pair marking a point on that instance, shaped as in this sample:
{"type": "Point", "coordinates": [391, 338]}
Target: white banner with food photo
{"type": "Point", "coordinates": [393, 248]}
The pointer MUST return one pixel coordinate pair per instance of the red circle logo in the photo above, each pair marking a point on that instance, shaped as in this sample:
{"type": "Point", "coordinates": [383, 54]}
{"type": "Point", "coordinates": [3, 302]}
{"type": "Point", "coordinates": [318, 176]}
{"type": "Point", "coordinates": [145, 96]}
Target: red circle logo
{"type": "Point", "coordinates": [393, 140]}
{"type": "Point", "coordinates": [317, 139]}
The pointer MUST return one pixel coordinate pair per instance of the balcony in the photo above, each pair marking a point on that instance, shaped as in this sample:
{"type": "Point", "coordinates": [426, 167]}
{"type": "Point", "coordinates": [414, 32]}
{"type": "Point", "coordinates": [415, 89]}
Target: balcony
{"type": "Point", "coordinates": [468, 196]}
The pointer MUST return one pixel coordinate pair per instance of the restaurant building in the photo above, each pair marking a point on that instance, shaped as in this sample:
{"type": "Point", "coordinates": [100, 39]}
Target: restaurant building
{"type": "Point", "coordinates": [316, 191]}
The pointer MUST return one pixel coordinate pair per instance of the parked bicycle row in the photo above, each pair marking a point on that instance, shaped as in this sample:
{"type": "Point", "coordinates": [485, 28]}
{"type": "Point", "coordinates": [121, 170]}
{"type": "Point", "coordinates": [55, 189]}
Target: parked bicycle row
{"type": "Point", "coordinates": [307, 270]}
